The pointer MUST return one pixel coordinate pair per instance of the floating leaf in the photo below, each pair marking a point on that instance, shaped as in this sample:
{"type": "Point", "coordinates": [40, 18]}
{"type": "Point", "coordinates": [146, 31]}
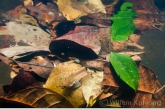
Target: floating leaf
{"type": "Point", "coordinates": [126, 69]}
{"type": "Point", "coordinates": [36, 97]}
{"type": "Point", "coordinates": [91, 86]}
{"type": "Point", "coordinates": [63, 78]}
{"type": "Point", "coordinates": [123, 25]}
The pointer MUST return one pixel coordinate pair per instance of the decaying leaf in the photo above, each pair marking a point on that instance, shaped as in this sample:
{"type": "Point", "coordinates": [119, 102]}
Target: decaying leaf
{"type": "Point", "coordinates": [84, 35]}
{"type": "Point", "coordinates": [30, 35]}
{"type": "Point", "coordinates": [22, 81]}
{"type": "Point", "coordinates": [37, 98]}
{"type": "Point", "coordinates": [13, 51]}
{"type": "Point", "coordinates": [66, 48]}
{"type": "Point", "coordinates": [147, 84]}
{"type": "Point", "coordinates": [72, 10]}
{"type": "Point", "coordinates": [41, 66]}
{"type": "Point", "coordinates": [91, 86]}
{"type": "Point", "coordinates": [158, 98]}
{"type": "Point", "coordinates": [63, 77]}
{"type": "Point", "coordinates": [46, 13]}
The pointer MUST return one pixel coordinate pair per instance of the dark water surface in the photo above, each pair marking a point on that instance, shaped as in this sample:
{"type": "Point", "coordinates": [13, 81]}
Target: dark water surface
{"type": "Point", "coordinates": [154, 43]}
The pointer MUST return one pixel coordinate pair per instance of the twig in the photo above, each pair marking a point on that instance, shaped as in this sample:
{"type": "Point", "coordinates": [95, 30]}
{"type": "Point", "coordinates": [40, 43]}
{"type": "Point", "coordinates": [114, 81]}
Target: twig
{"type": "Point", "coordinates": [159, 89]}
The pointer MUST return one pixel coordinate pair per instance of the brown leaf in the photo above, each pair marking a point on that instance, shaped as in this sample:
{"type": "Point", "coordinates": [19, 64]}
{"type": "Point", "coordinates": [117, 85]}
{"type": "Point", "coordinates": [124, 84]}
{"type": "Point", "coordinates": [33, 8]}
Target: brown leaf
{"type": "Point", "coordinates": [84, 35]}
{"type": "Point", "coordinates": [35, 97]}
{"type": "Point", "coordinates": [143, 96]}
{"type": "Point", "coordinates": [41, 66]}
{"type": "Point", "coordinates": [46, 13]}
{"type": "Point", "coordinates": [15, 12]}
{"type": "Point", "coordinates": [158, 98]}
{"type": "Point", "coordinates": [147, 82]}
{"type": "Point", "coordinates": [22, 81]}
{"type": "Point", "coordinates": [144, 5]}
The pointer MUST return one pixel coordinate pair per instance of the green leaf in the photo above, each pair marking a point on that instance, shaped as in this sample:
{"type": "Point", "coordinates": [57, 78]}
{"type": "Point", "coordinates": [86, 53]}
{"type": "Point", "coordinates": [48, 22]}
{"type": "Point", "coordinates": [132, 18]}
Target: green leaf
{"type": "Point", "coordinates": [123, 25]}
{"type": "Point", "coordinates": [126, 69]}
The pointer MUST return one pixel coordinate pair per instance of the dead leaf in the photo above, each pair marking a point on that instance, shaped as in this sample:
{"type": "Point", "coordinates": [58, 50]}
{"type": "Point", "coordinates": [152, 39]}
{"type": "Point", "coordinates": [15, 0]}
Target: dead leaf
{"type": "Point", "coordinates": [158, 98]}
{"type": "Point", "coordinates": [27, 19]}
{"type": "Point", "coordinates": [64, 49]}
{"type": "Point", "coordinates": [37, 98]}
{"type": "Point", "coordinates": [64, 73]}
{"type": "Point", "coordinates": [46, 13]}
{"type": "Point", "coordinates": [13, 51]}
{"type": "Point", "coordinates": [15, 12]}
{"type": "Point", "coordinates": [143, 96]}
{"type": "Point", "coordinates": [97, 64]}
{"type": "Point", "coordinates": [22, 81]}
{"type": "Point", "coordinates": [72, 10]}
{"type": "Point", "coordinates": [91, 86]}
{"type": "Point", "coordinates": [30, 35]}
{"type": "Point", "coordinates": [84, 35]}
{"type": "Point", "coordinates": [6, 41]}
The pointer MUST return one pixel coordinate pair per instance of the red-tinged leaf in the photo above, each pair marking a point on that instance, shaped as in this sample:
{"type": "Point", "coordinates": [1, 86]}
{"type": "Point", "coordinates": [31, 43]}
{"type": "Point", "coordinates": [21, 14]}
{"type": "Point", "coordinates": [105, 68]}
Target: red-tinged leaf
{"type": "Point", "coordinates": [24, 80]}
{"type": "Point", "coordinates": [84, 35]}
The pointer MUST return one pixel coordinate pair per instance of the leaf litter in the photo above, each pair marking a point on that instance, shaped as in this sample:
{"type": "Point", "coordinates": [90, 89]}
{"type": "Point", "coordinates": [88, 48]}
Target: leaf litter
{"type": "Point", "coordinates": [59, 52]}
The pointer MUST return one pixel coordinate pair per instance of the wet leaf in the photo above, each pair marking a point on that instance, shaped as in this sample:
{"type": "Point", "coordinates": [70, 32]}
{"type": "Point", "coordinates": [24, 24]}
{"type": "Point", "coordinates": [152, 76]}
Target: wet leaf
{"type": "Point", "coordinates": [46, 13]}
{"type": "Point", "coordinates": [41, 66]}
{"type": "Point", "coordinates": [13, 51]}
{"type": "Point", "coordinates": [23, 80]}
{"type": "Point", "coordinates": [84, 35]}
{"type": "Point", "coordinates": [126, 69]}
{"type": "Point", "coordinates": [30, 35]}
{"type": "Point", "coordinates": [72, 10]}
{"type": "Point", "coordinates": [91, 86]}
{"type": "Point", "coordinates": [123, 25]}
{"type": "Point", "coordinates": [66, 48]}
{"type": "Point", "coordinates": [36, 97]}
{"type": "Point", "coordinates": [63, 78]}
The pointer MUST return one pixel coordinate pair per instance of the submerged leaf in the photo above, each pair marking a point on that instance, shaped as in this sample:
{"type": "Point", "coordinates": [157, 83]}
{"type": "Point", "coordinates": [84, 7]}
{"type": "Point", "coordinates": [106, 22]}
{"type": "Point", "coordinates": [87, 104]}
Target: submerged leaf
{"type": "Point", "coordinates": [123, 25]}
{"type": "Point", "coordinates": [126, 69]}
{"type": "Point", "coordinates": [72, 10]}
{"type": "Point", "coordinates": [24, 80]}
{"type": "Point", "coordinates": [36, 97]}
{"type": "Point", "coordinates": [29, 34]}
{"type": "Point", "coordinates": [63, 77]}
{"type": "Point", "coordinates": [91, 86]}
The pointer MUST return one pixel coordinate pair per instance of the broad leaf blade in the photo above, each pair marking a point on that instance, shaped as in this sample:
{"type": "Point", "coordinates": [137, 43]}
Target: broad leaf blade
{"type": "Point", "coordinates": [126, 69]}
{"type": "Point", "coordinates": [123, 25]}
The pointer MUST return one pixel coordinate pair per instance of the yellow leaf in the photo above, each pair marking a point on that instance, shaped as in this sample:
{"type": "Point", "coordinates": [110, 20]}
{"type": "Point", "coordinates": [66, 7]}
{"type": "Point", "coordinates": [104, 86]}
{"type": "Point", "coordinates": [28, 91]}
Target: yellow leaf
{"type": "Point", "coordinates": [73, 10]}
{"type": "Point", "coordinates": [91, 86]}
{"type": "Point", "coordinates": [63, 77]}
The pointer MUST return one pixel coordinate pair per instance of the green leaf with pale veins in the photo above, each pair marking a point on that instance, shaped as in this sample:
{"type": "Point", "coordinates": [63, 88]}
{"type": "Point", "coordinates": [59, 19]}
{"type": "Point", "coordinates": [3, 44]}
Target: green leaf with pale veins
{"type": "Point", "coordinates": [126, 69]}
{"type": "Point", "coordinates": [123, 25]}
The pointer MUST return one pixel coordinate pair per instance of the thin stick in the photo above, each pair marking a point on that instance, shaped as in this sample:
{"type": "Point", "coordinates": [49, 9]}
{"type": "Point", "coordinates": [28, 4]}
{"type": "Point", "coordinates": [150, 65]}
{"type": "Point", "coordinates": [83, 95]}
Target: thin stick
{"type": "Point", "coordinates": [159, 89]}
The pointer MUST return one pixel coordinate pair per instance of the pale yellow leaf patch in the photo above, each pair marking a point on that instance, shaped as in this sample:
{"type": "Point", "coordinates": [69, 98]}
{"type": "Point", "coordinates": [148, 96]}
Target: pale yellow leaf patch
{"type": "Point", "coordinates": [63, 77]}
{"type": "Point", "coordinates": [91, 86]}
{"type": "Point", "coordinates": [73, 10]}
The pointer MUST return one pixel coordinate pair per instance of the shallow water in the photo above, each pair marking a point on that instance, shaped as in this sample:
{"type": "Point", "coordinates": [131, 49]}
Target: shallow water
{"type": "Point", "coordinates": [154, 43]}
